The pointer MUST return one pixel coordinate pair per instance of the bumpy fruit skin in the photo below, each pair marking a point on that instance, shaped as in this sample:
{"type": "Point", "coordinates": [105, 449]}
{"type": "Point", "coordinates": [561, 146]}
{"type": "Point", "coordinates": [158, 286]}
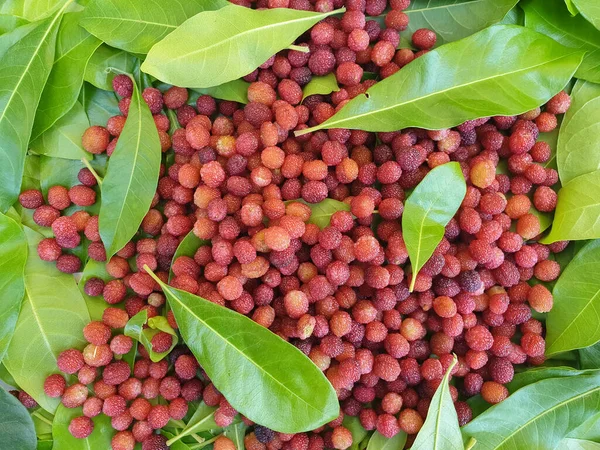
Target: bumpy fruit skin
{"type": "Point", "coordinates": [81, 427]}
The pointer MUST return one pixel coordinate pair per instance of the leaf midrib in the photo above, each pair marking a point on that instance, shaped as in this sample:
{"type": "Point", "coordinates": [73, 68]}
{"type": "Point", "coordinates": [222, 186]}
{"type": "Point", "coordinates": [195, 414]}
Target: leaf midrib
{"type": "Point", "coordinates": [190, 311]}
{"type": "Point", "coordinates": [433, 94]}
{"type": "Point", "coordinates": [124, 19]}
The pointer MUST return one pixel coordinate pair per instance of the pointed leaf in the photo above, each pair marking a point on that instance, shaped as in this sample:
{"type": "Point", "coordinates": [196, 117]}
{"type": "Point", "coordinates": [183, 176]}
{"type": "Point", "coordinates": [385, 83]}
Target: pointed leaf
{"type": "Point", "coordinates": [74, 48]}
{"type": "Point", "coordinates": [234, 90]}
{"type": "Point", "coordinates": [131, 178]}
{"type": "Point", "coordinates": [577, 154]}
{"type": "Point", "coordinates": [537, 416]}
{"type": "Point", "coordinates": [552, 18]}
{"type": "Point", "coordinates": [321, 212]}
{"type": "Point", "coordinates": [29, 9]}
{"type": "Point", "coordinates": [99, 105]}
{"type": "Point", "coordinates": [353, 424]}
{"type": "Point", "coordinates": [187, 247]}
{"type": "Point", "coordinates": [136, 25]}
{"type": "Point", "coordinates": [590, 9]}
{"type": "Point", "coordinates": [263, 377]}
{"type": "Point", "coordinates": [460, 81]}
{"type": "Point", "coordinates": [52, 318]}
{"type": "Point", "coordinates": [99, 70]}
{"type": "Point", "coordinates": [13, 255]}
{"type": "Point", "coordinates": [24, 69]}
{"type": "Point", "coordinates": [380, 442]}
{"type": "Point", "coordinates": [321, 85]}
{"type": "Point", "coordinates": [440, 430]}
{"type": "Point", "coordinates": [203, 419]}
{"type": "Point", "coordinates": [236, 433]}
{"type": "Point", "coordinates": [16, 426]}
{"type": "Point", "coordinates": [573, 321]}
{"type": "Point", "coordinates": [135, 329]}
{"type": "Point", "coordinates": [214, 47]}
{"type": "Point", "coordinates": [63, 440]}
{"type": "Point", "coordinates": [428, 210]}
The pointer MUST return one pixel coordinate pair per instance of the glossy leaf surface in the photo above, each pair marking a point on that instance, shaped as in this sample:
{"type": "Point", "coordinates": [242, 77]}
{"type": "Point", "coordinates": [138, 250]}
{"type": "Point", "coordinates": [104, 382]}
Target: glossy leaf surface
{"type": "Point", "coordinates": [16, 426]}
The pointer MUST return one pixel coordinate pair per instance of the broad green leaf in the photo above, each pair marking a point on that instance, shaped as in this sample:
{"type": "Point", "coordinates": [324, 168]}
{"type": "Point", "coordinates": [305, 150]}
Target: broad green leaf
{"type": "Point", "coordinates": [52, 318]}
{"type": "Point", "coordinates": [105, 63]}
{"type": "Point", "coordinates": [63, 440]}
{"type": "Point", "coordinates": [74, 47]}
{"type": "Point", "coordinates": [234, 90]}
{"type": "Point", "coordinates": [577, 154]}
{"type": "Point", "coordinates": [7, 377]}
{"type": "Point", "coordinates": [579, 444]}
{"type": "Point", "coordinates": [9, 23]}
{"type": "Point", "coordinates": [16, 426]}
{"type": "Point", "coordinates": [187, 247]}
{"type": "Point", "coordinates": [29, 9]}
{"type": "Point", "coordinates": [58, 171]}
{"type": "Point", "coordinates": [136, 25]}
{"type": "Point", "coordinates": [588, 430]}
{"type": "Point", "coordinates": [454, 19]}
{"type": "Point", "coordinates": [380, 442]}
{"type": "Point", "coordinates": [440, 430]}
{"type": "Point", "coordinates": [502, 70]}
{"type": "Point", "coordinates": [552, 18]}
{"type": "Point", "coordinates": [353, 424]}
{"type": "Point", "coordinates": [514, 17]}
{"type": "Point", "coordinates": [589, 357]}
{"type": "Point", "coordinates": [537, 416]}
{"type": "Point", "coordinates": [590, 9]}
{"type": "Point", "coordinates": [573, 321]}
{"type": "Point", "coordinates": [95, 305]}
{"type": "Point", "coordinates": [135, 329]}
{"type": "Point", "coordinates": [263, 377]}
{"type": "Point", "coordinates": [13, 255]}
{"type": "Point", "coordinates": [428, 210]}
{"type": "Point", "coordinates": [99, 105]}
{"type": "Point", "coordinates": [9, 39]}
{"type": "Point", "coordinates": [203, 419]}
{"type": "Point", "coordinates": [63, 139]}
{"type": "Point", "coordinates": [214, 47]}
{"type": "Point", "coordinates": [577, 214]}
{"type": "Point", "coordinates": [131, 178]}
{"type": "Point", "coordinates": [236, 433]}
{"type": "Point", "coordinates": [24, 69]}
{"type": "Point", "coordinates": [321, 85]}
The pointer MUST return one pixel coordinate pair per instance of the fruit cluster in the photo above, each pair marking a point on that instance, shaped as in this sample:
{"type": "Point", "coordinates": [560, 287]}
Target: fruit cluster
{"type": "Point", "coordinates": [241, 180]}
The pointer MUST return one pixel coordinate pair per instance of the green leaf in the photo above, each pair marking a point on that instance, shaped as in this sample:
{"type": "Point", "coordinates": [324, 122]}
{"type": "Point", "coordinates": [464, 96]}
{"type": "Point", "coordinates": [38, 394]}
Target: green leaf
{"type": "Point", "coordinates": [263, 377]}
{"type": "Point", "coordinates": [24, 69]}
{"type": "Point", "coordinates": [589, 357]}
{"type": "Point", "coordinates": [214, 47]}
{"type": "Point", "coordinates": [202, 420]}
{"type": "Point", "coordinates": [187, 247]}
{"type": "Point", "coordinates": [135, 329]}
{"type": "Point", "coordinates": [236, 433]}
{"type": "Point", "coordinates": [13, 255]}
{"type": "Point", "coordinates": [105, 63]}
{"type": "Point", "coordinates": [42, 422]}
{"type": "Point", "coordinates": [578, 444]}
{"type": "Point", "coordinates": [571, 7]}
{"type": "Point", "coordinates": [454, 19]}
{"type": "Point", "coordinates": [590, 9]}
{"type": "Point", "coordinates": [52, 318]}
{"type": "Point", "coordinates": [557, 406]}
{"type": "Point", "coordinates": [577, 211]}
{"type": "Point", "coordinates": [99, 105]}
{"type": "Point", "coordinates": [459, 81]}
{"type": "Point", "coordinates": [29, 9]}
{"type": "Point", "coordinates": [353, 424]}
{"type": "Point", "coordinates": [589, 430]}
{"type": "Point", "coordinates": [7, 377]}
{"type": "Point", "coordinates": [136, 25]}
{"type": "Point", "coordinates": [234, 90]}
{"type": "Point", "coordinates": [440, 430]}
{"type": "Point", "coordinates": [95, 305]}
{"type": "Point", "coordinates": [577, 154]}
{"type": "Point", "coordinates": [552, 18]}
{"type": "Point", "coordinates": [514, 17]}
{"type": "Point", "coordinates": [380, 442]}
{"type": "Point", "coordinates": [131, 178]}
{"type": "Point", "coordinates": [9, 23]}
{"type": "Point", "coordinates": [74, 47]}
{"type": "Point", "coordinates": [16, 426]}
{"type": "Point", "coordinates": [321, 212]}
{"type": "Point", "coordinates": [63, 440]}
{"type": "Point", "coordinates": [12, 37]}
{"type": "Point", "coordinates": [573, 321]}
{"type": "Point", "coordinates": [428, 210]}
{"type": "Point", "coordinates": [321, 85]}
{"type": "Point", "coordinates": [63, 139]}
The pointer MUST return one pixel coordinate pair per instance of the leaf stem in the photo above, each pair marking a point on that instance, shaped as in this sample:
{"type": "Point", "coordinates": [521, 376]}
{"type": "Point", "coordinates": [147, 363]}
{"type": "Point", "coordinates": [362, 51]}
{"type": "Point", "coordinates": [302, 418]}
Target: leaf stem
{"type": "Point", "coordinates": [87, 164]}
{"type": "Point", "coordinates": [203, 444]}
{"type": "Point", "coordinates": [299, 48]}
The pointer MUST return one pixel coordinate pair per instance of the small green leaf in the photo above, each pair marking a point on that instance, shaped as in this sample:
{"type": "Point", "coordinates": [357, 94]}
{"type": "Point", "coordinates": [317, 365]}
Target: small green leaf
{"type": "Point", "coordinates": [577, 210]}
{"type": "Point", "coordinates": [577, 154]}
{"type": "Point", "coordinates": [99, 105]}
{"type": "Point", "coordinates": [135, 329]}
{"type": "Point", "coordinates": [16, 427]}
{"type": "Point", "coordinates": [440, 430]}
{"type": "Point", "coordinates": [202, 420]}
{"type": "Point", "coordinates": [263, 377]}
{"type": "Point", "coordinates": [131, 178]}
{"type": "Point", "coordinates": [63, 139]}
{"type": "Point", "coordinates": [552, 18]}
{"type": "Point", "coordinates": [234, 90]}
{"type": "Point", "coordinates": [321, 212]}
{"type": "Point", "coordinates": [236, 433]}
{"type": "Point", "coordinates": [428, 210]}
{"type": "Point", "coordinates": [105, 63]}
{"type": "Point", "coordinates": [321, 85]}
{"type": "Point", "coordinates": [187, 247]}
{"type": "Point", "coordinates": [353, 424]}
{"type": "Point", "coordinates": [215, 47]}
{"type": "Point", "coordinates": [29, 9]}
{"type": "Point", "coordinates": [590, 9]}
{"type": "Point", "coordinates": [52, 318]}
{"type": "Point", "coordinates": [95, 305]}
{"type": "Point", "coordinates": [459, 81]}
{"type": "Point", "coordinates": [13, 255]}
{"type": "Point", "coordinates": [589, 357]}
{"type": "Point", "coordinates": [74, 48]}
{"type": "Point", "coordinates": [556, 405]}
{"type": "Point", "coordinates": [380, 442]}
{"type": "Point", "coordinates": [572, 322]}
{"type": "Point", "coordinates": [571, 7]}
{"type": "Point", "coordinates": [63, 440]}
